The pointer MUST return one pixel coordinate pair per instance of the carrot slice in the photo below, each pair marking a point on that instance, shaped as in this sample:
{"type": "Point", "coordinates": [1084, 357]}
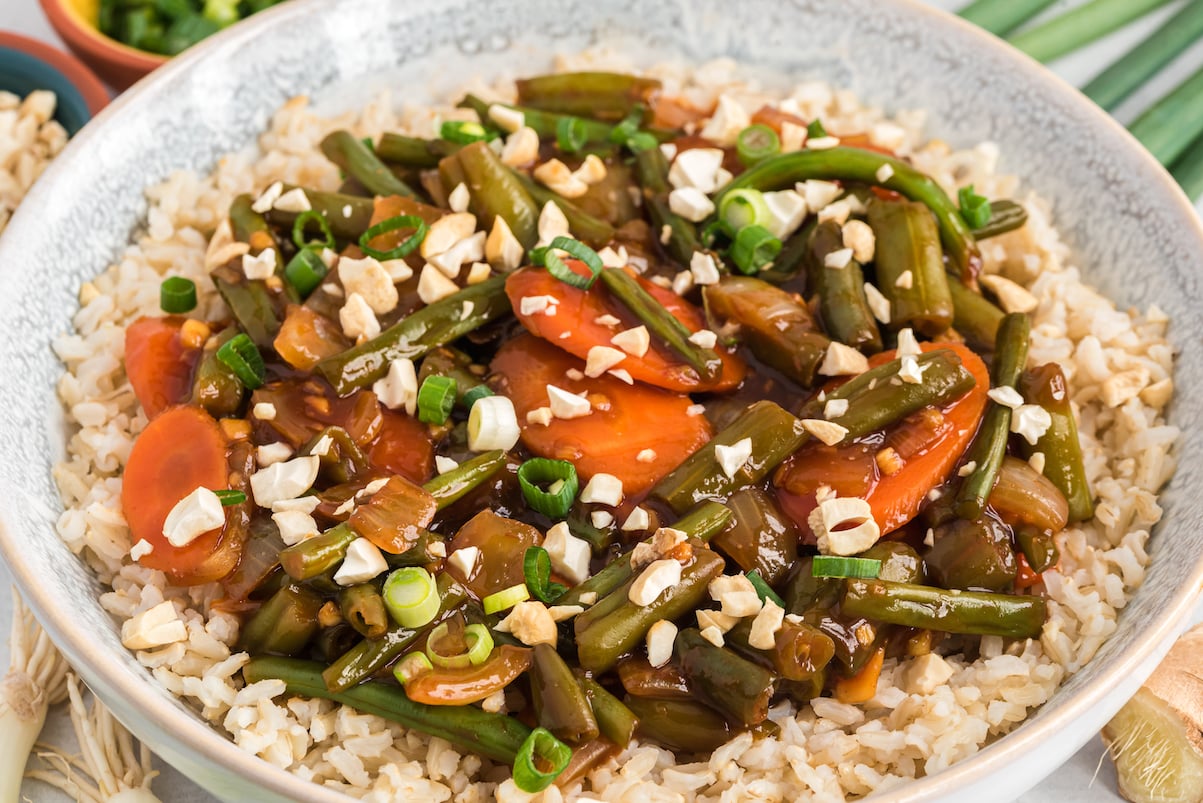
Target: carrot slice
{"type": "Point", "coordinates": [626, 419]}
{"type": "Point", "coordinates": [861, 687]}
{"type": "Point", "coordinates": [933, 448]}
{"type": "Point", "coordinates": [158, 365]}
{"type": "Point", "coordinates": [575, 328]}
{"type": "Point", "coordinates": [179, 451]}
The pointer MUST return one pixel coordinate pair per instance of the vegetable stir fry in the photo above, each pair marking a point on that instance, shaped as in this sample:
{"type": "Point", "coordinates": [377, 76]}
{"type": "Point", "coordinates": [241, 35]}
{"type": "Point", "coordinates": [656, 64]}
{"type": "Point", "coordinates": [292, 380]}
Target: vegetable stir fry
{"type": "Point", "coordinates": [581, 422]}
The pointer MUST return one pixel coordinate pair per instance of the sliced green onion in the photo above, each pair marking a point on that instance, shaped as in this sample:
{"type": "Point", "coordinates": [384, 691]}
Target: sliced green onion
{"type": "Point", "coordinates": [763, 590]}
{"type": "Point", "coordinates": [473, 395]}
{"type": "Point", "coordinates": [480, 643]}
{"type": "Point", "coordinates": [629, 127]}
{"type": "Point", "coordinates": [742, 208]}
{"type": "Point", "coordinates": [177, 294]}
{"type": "Point", "coordinates": [240, 355]}
{"type": "Point", "coordinates": [642, 141]}
{"type": "Point", "coordinates": [436, 397]}
{"type": "Point", "coordinates": [757, 143]}
{"type": "Point", "coordinates": [411, 666]}
{"type": "Point", "coordinates": [717, 228]}
{"type": "Point", "coordinates": [230, 497]}
{"type": "Point", "coordinates": [536, 566]}
{"type": "Point", "coordinates": [540, 748]}
{"type": "Point", "coordinates": [548, 258]}
{"type": "Point", "coordinates": [306, 271]}
{"type": "Point", "coordinates": [816, 130]}
{"type": "Point", "coordinates": [455, 661]}
{"type": "Point", "coordinates": [367, 143]}
{"type": "Point", "coordinates": [571, 134]}
{"type": "Point", "coordinates": [754, 248]}
{"type": "Point", "coordinates": [392, 224]}
{"type": "Point", "coordinates": [539, 471]}
{"type": "Point", "coordinates": [857, 568]}
{"type": "Point", "coordinates": [506, 598]}
{"type": "Point", "coordinates": [975, 209]}
{"type": "Point", "coordinates": [411, 596]}
{"type": "Point", "coordinates": [298, 230]}
{"type": "Point", "coordinates": [465, 133]}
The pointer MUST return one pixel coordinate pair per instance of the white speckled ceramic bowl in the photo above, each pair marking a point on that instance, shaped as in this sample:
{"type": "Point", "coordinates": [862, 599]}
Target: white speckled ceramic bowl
{"type": "Point", "coordinates": [1134, 232]}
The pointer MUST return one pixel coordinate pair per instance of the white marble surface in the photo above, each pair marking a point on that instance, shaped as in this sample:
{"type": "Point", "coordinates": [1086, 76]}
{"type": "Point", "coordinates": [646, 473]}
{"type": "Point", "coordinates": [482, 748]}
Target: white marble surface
{"type": "Point", "coordinates": [1086, 777]}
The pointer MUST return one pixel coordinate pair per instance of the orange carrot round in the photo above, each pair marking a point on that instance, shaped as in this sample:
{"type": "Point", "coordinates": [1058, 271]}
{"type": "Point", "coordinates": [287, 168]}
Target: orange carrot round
{"type": "Point", "coordinates": [158, 365]}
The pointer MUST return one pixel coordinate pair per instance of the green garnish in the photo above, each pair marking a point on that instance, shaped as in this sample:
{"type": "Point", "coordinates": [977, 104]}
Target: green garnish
{"type": "Point", "coordinates": [177, 295]}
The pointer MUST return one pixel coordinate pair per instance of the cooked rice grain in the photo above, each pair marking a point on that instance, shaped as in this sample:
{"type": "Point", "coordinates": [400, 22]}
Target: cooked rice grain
{"type": "Point", "coordinates": [826, 751]}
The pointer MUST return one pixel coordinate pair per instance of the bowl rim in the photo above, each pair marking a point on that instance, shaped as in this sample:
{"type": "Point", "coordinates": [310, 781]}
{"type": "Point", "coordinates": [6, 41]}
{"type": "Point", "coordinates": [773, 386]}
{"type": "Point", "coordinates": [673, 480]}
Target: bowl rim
{"type": "Point", "coordinates": [91, 90]}
{"type": "Point", "coordinates": [67, 19]}
{"type": "Point", "coordinates": [188, 735]}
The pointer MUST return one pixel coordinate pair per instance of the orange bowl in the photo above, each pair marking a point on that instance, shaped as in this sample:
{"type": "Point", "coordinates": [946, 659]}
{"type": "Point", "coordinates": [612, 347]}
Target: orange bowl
{"type": "Point", "coordinates": [118, 64]}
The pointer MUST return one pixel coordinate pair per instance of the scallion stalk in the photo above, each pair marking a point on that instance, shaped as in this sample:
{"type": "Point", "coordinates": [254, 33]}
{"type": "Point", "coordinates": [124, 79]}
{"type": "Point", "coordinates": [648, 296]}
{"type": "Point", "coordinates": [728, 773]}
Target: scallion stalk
{"type": "Point", "coordinates": [1140, 63]}
{"type": "Point", "coordinates": [505, 599]}
{"type": "Point", "coordinates": [754, 248]}
{"type": "Point", "coordinates": [1188, 170]}
{"type": "Point", "coordinates": [742, 208]}
{"type": "Point", "coordinates": [756, 143]}
{"type": "Point", "coordinates": [858, 568]}
{"type": "Point", "coordinates": [1080, 26]}
{"type": "Point", "coordinates": [411, 596]}
{"type": "Point", "coordinates": [541, 471]}
{"type": "Point", "coordinates": [241, 356]}
{"type": "Point", "coordinates": [436, 397]}
{"type": "Point", "coordinates": [540, 749]}
{"type": "Point", "coordinates": [1169, 126]}
{"type": "Point", "coordinates": [1000, 17]}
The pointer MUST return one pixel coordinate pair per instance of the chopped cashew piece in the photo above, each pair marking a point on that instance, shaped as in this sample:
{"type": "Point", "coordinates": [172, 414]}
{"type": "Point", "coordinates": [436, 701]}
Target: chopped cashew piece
{"type": "Point", "coordinates": [464, 559]}
{"type": "Point", "coordinates": [459, 198]}
{"type": "Point", "coordinates": [507, 119]}
{"type": "Point", "coordinates": [556, 176]}
{"type": "Point", "coordinates": [154, 627]}
{"type": "Point", "coordinates": [399, 387]}
{"type": "Point", "coordinates": [697, 167]}
{"type": "Point", "coordinates": [765, 626]}
{"type": "Point", "coordinates": [569, 555]}
{"type": "Point", "coordinates": [193, 516]}
{"type": "Point", "coordinates": [363, 562]}
{"type": "Point", "coordinates": [567, 405]}
{"type": "Point", "coordinates": [637, 520]}
{"type": "Point", "coordinates": [691, 204]}
{"type": "Point", "coordinates": [703, 268]}
{"type": "Point", "coordinates": [604, 489]}
{"type": "Point", "coordinates": [502, 248]}
{"type": "Point", "coordinates": [634, 341]}
{"type": "Point", "coordinates": [1030, 421]}
{"type": "Point", "coordinates": [713, 635]}
{"type": "Point", "coordinates": [601, 359]}
{"type": "Point", "coordinates": [368, 278]}
{"type": "Point", "coordinates": [842, 360]}
{"type": "Point", "coordinates": [860, 238]}
{"type": "Point", "coordinates": [433, 285]}
{"type": "Point", "coordinates": [732, 458]}
{"type": "Point", "coordinates": [446, 232]}
{"type": "Point", "coordinates": [925, 674]}
{"type": "Point", "coordinates": [286, 480]}
{"type": "Point", "coordinates": [1012, 297]}
{"type": "Point", "coordinates": [521, 148]}
{"type": "Point", "coordinates": [531, 623]}
{"type": "Point", "coordinates": [552, 223]}
{"type": "Point", "coordinates": [716, 619]}
{"type": "Point", "coordinates": [660, 640]}
{"type": "Point", "coordinates": [259, 266]}
{"type": "Point", "coordinates": [844, 525]}
{"type": "Point", "coordinates": [357, 319]}
{"type": "Point", "coordinates": [654, 581]}
{"type": "Point", "coordinates": [295, 526]}
{"type": "Point", "coordinates": [879, 305]}
{"type": "Point", "coordinates": [826, 431]}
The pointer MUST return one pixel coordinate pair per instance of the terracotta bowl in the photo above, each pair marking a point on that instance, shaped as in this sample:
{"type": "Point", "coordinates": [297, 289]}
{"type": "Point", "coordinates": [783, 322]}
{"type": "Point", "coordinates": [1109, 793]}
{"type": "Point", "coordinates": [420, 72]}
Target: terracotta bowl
{"type": "Point", "coordinates": [27, 64]}
{"type": "Point", "coordinates": [118, 64]}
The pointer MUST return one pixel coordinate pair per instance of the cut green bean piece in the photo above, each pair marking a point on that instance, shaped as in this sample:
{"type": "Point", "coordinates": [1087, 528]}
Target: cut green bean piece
{"type": "Point", "coordinates": [560, 703]}
{"type": "Point", "coordinates": [775, 435]}
{"type": "Point", "coordinates": [841, 291]}
{"type": "Point", "coordinates": [215, 387]}
{"type": "Point", "coordinates": [974, 316]}
{"type": "Point", "coordinates": [989, 446]}
{"type": "Point", "coordinates": [250, 227]}
{"type": "Point", "coordinates": [586, 227]}
{"type": "Point", "coordinates": [495, 736]}
{"type": "Point", "coordinates": [414, 335]}
{"type": "Point", "coordinates": [854, 164]}
{"type": "Point", "coordinates": [601, 95]}
{"type": "Point", "coordinates": [910, 266]}
{"type": "Point", "coordinates": [967, 612]}
{"type": "Point", "coordinates": [651, 168]}
{"type": "Point", "coordinates": [348, 216]}
{"type": "Point", "coordinates": [319, 554]}
{"type": "Point", "coordinates": [704, 523]}
{"type": "Point", "coordinates": [363, 608]}
{"type": "Point", "coordinates": [1063, 463]}
{"type": "Point", "coordinates": [607, 639]}
{"type": "Point", "coordinates": [348, 152]}
{"type": "Point", "coordinates": [495, 190]}
{"type": "Point", "coordinates": [680, 724]}
{"type": "Point", "coordinates": [414, 151]}
{"type": "Point", "coordinates": [284, 624]}
{"type": "Point", "coordinates": [456, 484]}
{"type": "Point", "coordinates": [1005, 216]}
{"type": "Point", "coordinates": [544, 123]}
{"type": "Point", "coordinates": [614, 719]}
{"type": "Point", "coordinates": [736, 687]}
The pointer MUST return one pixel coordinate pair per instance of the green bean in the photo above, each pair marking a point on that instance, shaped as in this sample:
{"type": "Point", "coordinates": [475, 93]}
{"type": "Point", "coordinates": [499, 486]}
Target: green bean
{"type": "Point", "coordinates": [250, 303]}
{"type": "Point", "coordinates": [776, 325]}
{"type": "Point", "coordinates": [359, 162]}
{"type": "Point", "coordinates": [854, 164]}
{"type": "Point", "coordinates": [544, 123]}
{"type": "Point", "coordinates": [414, 335]}
{"type": "Point", "coordinates": [803, 591]}
{"type": "Point", "coordinates": [1005, 216]}
{"type": "Point", "coordinates": [600, 646]}
{"type": "Point", "coordinates": [799, 651]}
{"type": "Point", "coordinates": [614, 719]}
{"type": "Point", "coordinates": [215, 387]}
{"type": "Point", "coordinates": [843, 306]}
{"type": "Point", "coordinates": [967, 612]}
{"type": "Point", "coordinates": [494, 190]}
{"type": "Point", "coordinates": [908, 243]}
{"type": "Point", "coordinates": [420, 554]}
{"type": "Point", "coordinates": [661, 323]}
{"type": "Point", "coordinates": [651, 168]}
{"type": "Point", "coordinates": [775, 435]}
{"type": "Point", "coordinates": [363, 608]}
{"type": "Point", "coordinates": [560, 703]}
{"type": "Point", "coordinates": [601, 95]}
{"type": "Point", "coordinates": [640, 679]}
{"type": "Point", "coordinates": [793, 257]}
{"type": "Point", "coordinates": [874, 401]}
{"type": "Point", "coordinates": [371, 655]}
{"type": "Point", "coordinates": [974, 316]}
{"type": "Point", "coordinates": [587, 228]}
{"type": "Point", "coordinates": [284, 624]}
{"type": "Point", "coordinates": [680, 724]}
{"type": "Point", "coordinates": [990, 444]}
{"type": "Point", "coordinates": [972, 554]}
{"type": "Point", "coordinates": [734, 686]}
{"type": "Point", "coordinates": [348, 216]}
{"type": "Point", "coordinates": [1063, 464]}
{"type": "Point", "coordinates": [456, 484]}
{"type": "Point", "coordinates": [413, 151]}
{"type": "Point", "coordinates": [703, 523]}
{"type": "Point", "coordinates": [250, 227]}
{"type": "Point", "coordinates": [494, 736]}
{"type": "Point", "coordinates": [761, 538]}
{"type": "Point", "coordinates": [1038, 546]}
{"type": "Point", "coordinates": [899, 562]}
{"type": "Point", "coordinates": [314, 556]}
